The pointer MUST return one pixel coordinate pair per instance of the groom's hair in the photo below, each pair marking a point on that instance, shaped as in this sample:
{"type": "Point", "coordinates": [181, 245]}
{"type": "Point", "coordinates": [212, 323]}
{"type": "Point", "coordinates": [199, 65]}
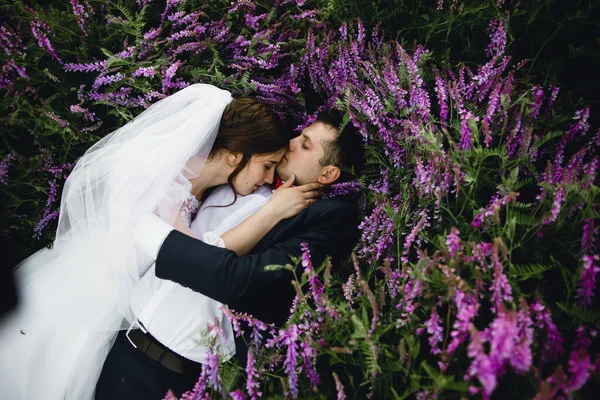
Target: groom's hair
{"type": "Point", "coordinates": [346, 150]}
{"type": "Point", "coordinates": [248, 126]}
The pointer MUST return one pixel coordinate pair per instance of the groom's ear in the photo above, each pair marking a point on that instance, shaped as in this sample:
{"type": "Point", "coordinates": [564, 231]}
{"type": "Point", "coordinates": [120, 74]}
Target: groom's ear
{"type": "Point", "coordinates": [329, 174]}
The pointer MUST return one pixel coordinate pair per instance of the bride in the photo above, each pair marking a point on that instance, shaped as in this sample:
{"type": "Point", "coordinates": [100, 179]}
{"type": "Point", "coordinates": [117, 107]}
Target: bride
{"type": "Point", "coordinates": [76, 296]}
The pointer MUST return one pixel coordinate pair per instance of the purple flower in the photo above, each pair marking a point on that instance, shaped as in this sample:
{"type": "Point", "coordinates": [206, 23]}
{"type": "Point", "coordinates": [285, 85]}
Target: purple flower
{"type": "Point", "coordinates": [503, 336]}
{"type": "Point", "coordinates": [315, 284]}
{"type": "Point", "coordinates": [442, 95]}
{"type": "Point", "coordinates": [407, 304]}
{"type": "Point", "coordinates": [339, 387]}
{"type": "Point", "coordinates": [553, 343]}
{"type": "Point", "coordinates": [213, 378]}
{"type": "Point", "coordinates": [590, 230]}
{"type": "Point", "coordinates": [46, 218]}
{"type": "Point", "coordinates": [152, 34]}
{"type": "Point", "coordinates": [553, 95]}
{"type": "Point", "coordinates": [377, 235]}
{"type": "Point", "coordinates": [11, 65]}
{"type": "Point", "coordinates": [289, 338]}
{"type": "Point", "coordinates": [10, 42]}
{"type": "Point", "coordinates": [579, 368]}
{"type": "Point", "coordinates": [237, 395]}
{"type": "Point", "coordinates": [497, 32]}
{"type": "Point", "coordinates": [170, 395]}
{"type": "Point", "coordinates": [4, 165]}
{"type": "Point", "coordinates": [587, 283]}
{"type": "Point", "coordinates": [90, 67]}
{"type": "Point", "coordinates": [144, 71]}
{"type": "Point", "coordinates": [56, 118]}
{"type": "Point", "coordinates": [40, 31]}
{"type": "Point", "coordinates": [349, 289]}
{"type": "Point", "coordinates": [465, 128]}
{"type": "Point", "coordinates": [496, 203]}
{"type": "Point", "coordinates": [103, 80]}
{"type": "Point", "coordinates": [410, 238]}
{"type": "Point", "coordinates": [343, 189]}
{"type": "Point", "coordinates": [81, 13]}
{"type": "Point", "coordinates": [556, 205]}
{"type": "Point", "coordinates": [467, 307]}
{"type": "Point", "coordinates": [252, 384]}
{"type": "Point", "coordinates": [501, 289]}
{"type": "Point", "coordinates": [199, 390]}
{"type": "Point", "coordinates": [435, 330]}
{"type": "Point", "coordinates": [78, 109]}
{"type": "Point", "coordinates": [538, 93]}
{"type": "Point", "coordinates": [168, 76]}
{"type": "Point", "coordinates": [453, 242]}
{"type": "Point", "coordinates": [581, 126]}
{"type": "Point", "coordinates": [481, 366]}
{"type": "Point", "coordinates": [521, 357]}
{"type": "Point", "coordinates": [309, 356]}
{"type": "Point", "coordinates": [584, 338]}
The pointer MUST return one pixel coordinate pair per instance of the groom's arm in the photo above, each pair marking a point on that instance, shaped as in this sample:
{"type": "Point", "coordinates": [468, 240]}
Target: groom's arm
{"type": "Point", "coordinates": [222, 275]}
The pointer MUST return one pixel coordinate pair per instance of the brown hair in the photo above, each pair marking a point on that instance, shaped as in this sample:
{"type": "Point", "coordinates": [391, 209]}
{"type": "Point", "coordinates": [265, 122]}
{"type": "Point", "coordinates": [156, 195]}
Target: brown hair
{"type": "Point", "coordinates": [346, 150]}
{"type": "Point", "coordinates": [250, 127]}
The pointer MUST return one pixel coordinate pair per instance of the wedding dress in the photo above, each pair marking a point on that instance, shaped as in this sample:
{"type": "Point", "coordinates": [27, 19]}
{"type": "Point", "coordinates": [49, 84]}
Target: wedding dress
{"type": "Point", "coordinates": [75, 296]}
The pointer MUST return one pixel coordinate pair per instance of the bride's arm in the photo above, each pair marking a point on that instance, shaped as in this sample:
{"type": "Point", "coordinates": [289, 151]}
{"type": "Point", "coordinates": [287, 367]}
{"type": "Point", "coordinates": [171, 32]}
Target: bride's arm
{"type": "Point", "coordinates": [286, 202]}
{"type": "Point", "coordinates": [183, 227]}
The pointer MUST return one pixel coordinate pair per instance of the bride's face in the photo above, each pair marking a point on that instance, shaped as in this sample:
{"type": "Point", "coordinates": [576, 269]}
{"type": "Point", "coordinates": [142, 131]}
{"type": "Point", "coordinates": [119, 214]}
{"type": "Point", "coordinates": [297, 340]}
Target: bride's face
{"type": "Point", "coordinates": [259, 170]}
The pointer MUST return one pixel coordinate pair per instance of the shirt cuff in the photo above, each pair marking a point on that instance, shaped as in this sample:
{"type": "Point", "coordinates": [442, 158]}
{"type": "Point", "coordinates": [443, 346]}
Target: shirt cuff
{"type": "Point", "coordinates": [213, 239]}
{"type": "Point", "coordinates": [150, 233]}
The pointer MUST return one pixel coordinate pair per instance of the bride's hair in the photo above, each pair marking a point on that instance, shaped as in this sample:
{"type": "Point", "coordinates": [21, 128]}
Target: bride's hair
{"type": "Point", "coordinates": [249, 127]}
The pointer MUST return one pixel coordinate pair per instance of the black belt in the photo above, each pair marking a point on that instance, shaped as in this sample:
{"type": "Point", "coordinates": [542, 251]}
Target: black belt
{"type": "Point", "coordinates": [166, 357]}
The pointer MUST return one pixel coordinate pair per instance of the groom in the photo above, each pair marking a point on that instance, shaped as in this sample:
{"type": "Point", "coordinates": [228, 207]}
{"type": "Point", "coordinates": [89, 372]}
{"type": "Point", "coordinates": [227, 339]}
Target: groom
{"type": "Point", "coordinates": [330, 227]}
{"type": "Point", "coordinates": [319, 154]}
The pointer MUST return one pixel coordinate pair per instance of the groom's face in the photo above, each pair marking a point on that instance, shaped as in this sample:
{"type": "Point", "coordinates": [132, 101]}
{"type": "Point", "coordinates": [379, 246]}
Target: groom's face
{"type": "Point", "coordinates": [305, 151]}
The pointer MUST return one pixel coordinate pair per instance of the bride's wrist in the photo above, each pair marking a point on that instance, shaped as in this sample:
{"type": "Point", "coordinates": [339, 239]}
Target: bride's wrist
{"type": "Point", "coordinates": [270, 211]}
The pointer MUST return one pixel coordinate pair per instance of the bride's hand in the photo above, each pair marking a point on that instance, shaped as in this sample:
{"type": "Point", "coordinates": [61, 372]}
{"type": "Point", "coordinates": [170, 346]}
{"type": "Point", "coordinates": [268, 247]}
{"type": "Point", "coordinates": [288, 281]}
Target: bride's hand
{"type": "Point", "coordinates": [287, 201]}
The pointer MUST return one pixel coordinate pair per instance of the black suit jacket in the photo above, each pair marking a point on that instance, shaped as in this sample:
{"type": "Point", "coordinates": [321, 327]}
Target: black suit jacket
{"type": "Point", "coordinates": [330, 227]}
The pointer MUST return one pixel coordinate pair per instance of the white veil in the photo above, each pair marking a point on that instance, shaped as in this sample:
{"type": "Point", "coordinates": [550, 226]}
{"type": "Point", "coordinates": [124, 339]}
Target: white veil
{"type": "Point", "coordinates": [76, 296]}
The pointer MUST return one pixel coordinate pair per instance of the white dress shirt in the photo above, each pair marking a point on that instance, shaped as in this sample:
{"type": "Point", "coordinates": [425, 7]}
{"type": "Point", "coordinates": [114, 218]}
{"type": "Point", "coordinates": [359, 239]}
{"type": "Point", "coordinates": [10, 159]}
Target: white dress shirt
{"type": "Point", "coordinates": [177, 316]}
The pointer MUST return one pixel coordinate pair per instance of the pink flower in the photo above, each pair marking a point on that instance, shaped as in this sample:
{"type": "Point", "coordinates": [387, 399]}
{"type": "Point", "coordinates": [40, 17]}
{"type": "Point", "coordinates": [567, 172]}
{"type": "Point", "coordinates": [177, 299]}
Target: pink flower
{"type": "Point", "coordinates": [435, 330]}
{"type": "Point", "coordinates": [481, 366]}
{"type": "Point", "coordinates": [587, 283]}
{"type": "Point", "coordinates": [252, 384]}
{"type": "Point", "coordinates": [453, 241]}
{"type": "Point", "coordinates": [579, 368]}
{"type": "Point", "coordinates": [339, 387]}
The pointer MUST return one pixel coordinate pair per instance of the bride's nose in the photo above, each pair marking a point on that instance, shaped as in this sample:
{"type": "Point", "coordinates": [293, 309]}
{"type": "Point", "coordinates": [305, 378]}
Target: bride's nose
{"type": "Point", "coordinates": [270, 176]}
{"type": "Point", "coordinates": [292, 146]}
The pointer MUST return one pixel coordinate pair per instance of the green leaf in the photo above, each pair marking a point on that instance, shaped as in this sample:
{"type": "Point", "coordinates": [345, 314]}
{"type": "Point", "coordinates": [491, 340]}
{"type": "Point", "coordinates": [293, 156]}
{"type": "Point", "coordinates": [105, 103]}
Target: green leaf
{"type": "Point", "coordinates": [527, 271]}
{"type": "Point", "coordinates": [277, 267]}
{"type": "Point", "coordinates": [360, 331]}
{"type": "Point", "coordinates": [589, 316]}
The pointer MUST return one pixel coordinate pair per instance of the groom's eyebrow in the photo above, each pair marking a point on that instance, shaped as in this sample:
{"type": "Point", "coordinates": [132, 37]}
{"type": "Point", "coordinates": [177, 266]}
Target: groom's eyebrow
{"type": "Point", "coordinates": [306, 137]}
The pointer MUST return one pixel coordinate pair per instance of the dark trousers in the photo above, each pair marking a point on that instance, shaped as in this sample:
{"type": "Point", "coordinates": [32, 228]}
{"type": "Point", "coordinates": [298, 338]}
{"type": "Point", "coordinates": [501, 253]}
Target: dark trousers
{"type": "Point", "coordinates": [130, 374]}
